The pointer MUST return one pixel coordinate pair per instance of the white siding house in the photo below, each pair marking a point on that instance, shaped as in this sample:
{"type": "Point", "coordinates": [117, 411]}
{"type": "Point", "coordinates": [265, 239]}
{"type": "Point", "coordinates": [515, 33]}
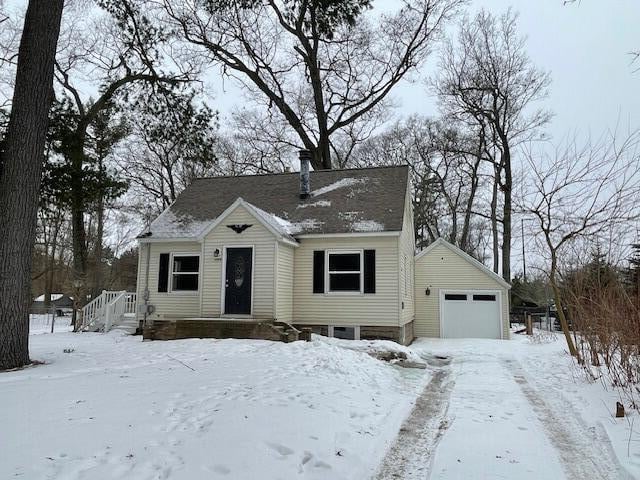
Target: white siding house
{"type": "Point", "coordinates": [336, 256]}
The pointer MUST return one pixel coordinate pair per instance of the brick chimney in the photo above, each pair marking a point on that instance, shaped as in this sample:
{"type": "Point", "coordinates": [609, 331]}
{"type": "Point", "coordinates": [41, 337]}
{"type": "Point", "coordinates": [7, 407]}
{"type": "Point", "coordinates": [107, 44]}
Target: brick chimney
{"type": "Point", "coordinates": [305, 160]}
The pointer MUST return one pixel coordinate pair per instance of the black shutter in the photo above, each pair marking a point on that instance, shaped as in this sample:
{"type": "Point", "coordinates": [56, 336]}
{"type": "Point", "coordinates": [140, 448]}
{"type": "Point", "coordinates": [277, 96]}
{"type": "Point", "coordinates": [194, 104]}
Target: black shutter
{"type": "Point", "coordinates": [369, 271]}
{"type": "Point", "coordinates": [163, 273]}
{"type": "Point", "coordinates": [318, 271]}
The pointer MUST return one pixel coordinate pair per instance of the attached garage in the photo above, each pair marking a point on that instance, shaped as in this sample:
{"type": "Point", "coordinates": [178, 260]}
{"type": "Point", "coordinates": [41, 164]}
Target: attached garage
{"type": "Point", "coordinates": [458, 297]}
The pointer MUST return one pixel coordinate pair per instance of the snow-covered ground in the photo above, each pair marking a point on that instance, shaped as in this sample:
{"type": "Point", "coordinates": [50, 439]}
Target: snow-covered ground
{"type": "Point", "coordinates": [117, 407]}
{"type": "Point", "coordinates": [520, 409]}
{"type": "Point", "coordinates": [41, 323]}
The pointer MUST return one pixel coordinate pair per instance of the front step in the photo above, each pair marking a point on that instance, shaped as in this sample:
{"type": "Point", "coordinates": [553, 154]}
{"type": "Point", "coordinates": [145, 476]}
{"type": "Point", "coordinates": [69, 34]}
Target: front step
{"type": "Point", "coordinates": [130, 329]}
{"type": "Point", "coordinates": [220, 328]}
{"type": "Point", "coordinates": [129, 324]}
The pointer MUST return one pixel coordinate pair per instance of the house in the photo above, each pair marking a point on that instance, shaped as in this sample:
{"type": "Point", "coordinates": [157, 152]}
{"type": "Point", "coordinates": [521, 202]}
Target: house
{"type": "Point", "coordinates": [333, 251]}
{"type": "Point", "coordinates": [60, 304]}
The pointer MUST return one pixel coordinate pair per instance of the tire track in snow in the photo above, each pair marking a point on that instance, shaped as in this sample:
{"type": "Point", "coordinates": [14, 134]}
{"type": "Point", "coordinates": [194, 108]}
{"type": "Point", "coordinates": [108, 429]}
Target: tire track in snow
{"type": "Point", "coordinates": [572, 439]}
{"type": "Point", "coordinates": [410, 456]}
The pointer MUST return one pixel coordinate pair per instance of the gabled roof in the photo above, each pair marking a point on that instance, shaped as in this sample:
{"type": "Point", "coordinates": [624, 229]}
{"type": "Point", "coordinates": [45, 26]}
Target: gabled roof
{"type": "Point", "coordinates": [342, 201]}
{"type": "Point", "coordinates": [275, 225]}
{"type": "Point", "coordinates": [465, 256]}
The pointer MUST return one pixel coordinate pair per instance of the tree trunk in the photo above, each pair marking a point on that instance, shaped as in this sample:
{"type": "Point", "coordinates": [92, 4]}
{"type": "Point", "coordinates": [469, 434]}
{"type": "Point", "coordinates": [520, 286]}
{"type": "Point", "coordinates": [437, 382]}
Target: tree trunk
{"type": "Point", "coordinates": [97, 286]}
{"type": "Point", "coordinates": [466, 226]}
{"type": "Point", "coordinates": [506, 215]}
{"type": "Point", "coordinates": [50, 257]}
{"type": "Point", "coordinates": [494, 219]}
{"type": "Point", "coordinates": [20, 175]}
{"type": "Point", "coordinates": [557, 298]}
{"type": "Point", "coordinates": [78, 234]}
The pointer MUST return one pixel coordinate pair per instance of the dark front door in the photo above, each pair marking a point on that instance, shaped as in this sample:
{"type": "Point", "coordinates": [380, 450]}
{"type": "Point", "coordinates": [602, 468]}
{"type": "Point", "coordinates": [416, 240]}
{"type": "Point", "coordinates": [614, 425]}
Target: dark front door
{"type": "Point", "coordinates": [237, 291]}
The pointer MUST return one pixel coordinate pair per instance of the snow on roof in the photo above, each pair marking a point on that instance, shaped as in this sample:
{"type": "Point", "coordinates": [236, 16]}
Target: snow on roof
{"type": "Point", "coordinates": [343, 182]}
{"type": "Point", "coordinates": [319, 203]}
{"type": "Point", "coordinates": [306, 225]}
{"type": "Point", "coordinates": [359, 224]}
{"type": "Point", "coordinates": [341, 202]}
{"type": "Point", "coordinates": [54, 297]}
{"type": "Point", "coordinates": [169, 225]}
{"type": "Point", "coordinates": [279, 224]}
{"type": "Point", "coordinates": [367, 226]}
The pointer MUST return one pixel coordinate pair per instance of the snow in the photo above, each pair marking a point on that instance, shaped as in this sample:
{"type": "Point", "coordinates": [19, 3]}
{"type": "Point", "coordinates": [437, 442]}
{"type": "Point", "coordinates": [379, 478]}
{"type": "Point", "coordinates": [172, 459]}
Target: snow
{"type": "Point", "coordinates": [41, 323]}
{"type": "Point", "coordinates": [342, 183]}
{"type": "Point", "coordinates": [54, 297]}
{"type": "Point", "coordinates": [306, 225]}
{"type": "Point", "coordinates": [170, 225]}
{"type": "Point", "coordinates": [367, 226]}
{"type": "Point", "coordinates": [280, 225]}
{"type": "Point", "coordinates": [116, 407]}
{"type": "Point", "coordinates": [284, 226]}
{"type": "Point", "coordinates": [319, 203]}
{"type": "Point", "coordinates": [372, 347]}
{"type": "Point", "coordinates": [517, 409]}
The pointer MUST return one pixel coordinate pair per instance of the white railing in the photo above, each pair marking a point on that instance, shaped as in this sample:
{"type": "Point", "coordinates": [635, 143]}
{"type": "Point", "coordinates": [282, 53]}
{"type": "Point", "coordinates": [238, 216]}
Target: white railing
{"type": "Point", "coordinates": [107, 310]}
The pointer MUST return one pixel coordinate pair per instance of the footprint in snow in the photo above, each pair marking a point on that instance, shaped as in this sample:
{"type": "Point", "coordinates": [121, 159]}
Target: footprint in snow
{"type": "Point", "coordinates": [281, 449]}
{"type": "Point", "coordinates": [221, 469]}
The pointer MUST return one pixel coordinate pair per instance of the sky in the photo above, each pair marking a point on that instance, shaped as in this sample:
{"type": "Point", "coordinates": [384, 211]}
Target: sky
{"type": "Point", "coordinates": [585, 46]}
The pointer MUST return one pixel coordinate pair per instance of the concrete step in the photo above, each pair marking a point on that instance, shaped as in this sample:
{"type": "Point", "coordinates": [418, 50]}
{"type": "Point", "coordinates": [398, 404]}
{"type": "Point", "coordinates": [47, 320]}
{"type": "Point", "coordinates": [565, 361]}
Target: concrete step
{"type": "Point", "coordinates": [131, 329]}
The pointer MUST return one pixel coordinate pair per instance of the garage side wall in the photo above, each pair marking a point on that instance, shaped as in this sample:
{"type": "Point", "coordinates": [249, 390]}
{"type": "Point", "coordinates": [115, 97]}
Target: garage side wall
{"type": "Point", "coordinates": [442, 269]}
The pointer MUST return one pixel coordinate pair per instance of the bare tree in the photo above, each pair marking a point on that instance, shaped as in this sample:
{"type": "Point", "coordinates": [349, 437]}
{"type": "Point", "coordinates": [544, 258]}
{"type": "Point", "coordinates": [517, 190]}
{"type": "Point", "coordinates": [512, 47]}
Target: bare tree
{"type": "Point", "coordinates": [580, 194]}
{"type": "Point", "coordinates": [21, 158]}
{"type": "Point", "coordinates": [123, 54]}
{"type": "Point", "coordinates": [322, 69]}
{"type": "Point", "coordinates": [445, 163]}
{"type": "Point", "coordinates": [487, 78]}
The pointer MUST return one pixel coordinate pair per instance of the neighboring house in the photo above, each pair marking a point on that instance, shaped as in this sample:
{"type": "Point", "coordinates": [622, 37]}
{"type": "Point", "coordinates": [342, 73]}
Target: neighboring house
{"type": "Point", "coordinates": [333, 251]}
{"type": "Point", "coordinates": [60, 304]}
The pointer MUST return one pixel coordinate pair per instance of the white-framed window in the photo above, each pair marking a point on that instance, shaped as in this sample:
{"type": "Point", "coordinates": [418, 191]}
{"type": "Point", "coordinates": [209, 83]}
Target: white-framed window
{"type": "Point", "coordinates": [345, 332]}
{"type": "Point", "coordinates": [344, 271]}
{"type": "Point", "coordinates": [185, 272]}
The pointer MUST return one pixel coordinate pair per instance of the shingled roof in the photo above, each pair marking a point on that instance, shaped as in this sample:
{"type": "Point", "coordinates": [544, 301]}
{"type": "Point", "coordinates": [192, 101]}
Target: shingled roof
{"type": "Point", "coordinates": [341, 201]}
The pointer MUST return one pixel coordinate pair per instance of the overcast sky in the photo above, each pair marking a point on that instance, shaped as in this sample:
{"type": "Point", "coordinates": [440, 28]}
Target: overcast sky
{"type": "Point", "coordinates": [586, 46]}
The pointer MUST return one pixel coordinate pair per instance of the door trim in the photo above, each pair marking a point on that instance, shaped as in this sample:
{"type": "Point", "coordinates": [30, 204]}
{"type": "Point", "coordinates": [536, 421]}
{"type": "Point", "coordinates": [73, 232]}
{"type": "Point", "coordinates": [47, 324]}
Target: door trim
{"type": "Point", "coordinates": [499, 299]}
{"type": "Point", "coordinates": [224, 274]}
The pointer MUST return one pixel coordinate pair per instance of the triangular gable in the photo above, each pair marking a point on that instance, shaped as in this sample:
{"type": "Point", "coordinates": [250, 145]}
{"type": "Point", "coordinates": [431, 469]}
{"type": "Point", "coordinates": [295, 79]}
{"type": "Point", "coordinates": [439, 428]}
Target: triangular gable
{"type": "Point", "coordinates": [465, 256]}
{"type": "Point", "coordinates": [265, 219]}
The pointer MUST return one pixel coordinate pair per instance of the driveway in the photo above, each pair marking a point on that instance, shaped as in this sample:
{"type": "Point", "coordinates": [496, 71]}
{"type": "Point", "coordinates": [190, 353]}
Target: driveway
{"type": "Point", "coordinates": [501, 410]}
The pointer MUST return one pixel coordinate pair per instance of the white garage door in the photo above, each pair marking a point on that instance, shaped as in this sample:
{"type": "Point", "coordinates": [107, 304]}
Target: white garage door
{"type": "Point", "coordinates": [470, 314]}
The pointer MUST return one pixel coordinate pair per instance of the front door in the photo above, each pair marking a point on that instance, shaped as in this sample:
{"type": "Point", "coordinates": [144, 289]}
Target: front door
{"type": "Point", "coordinates": [238, 274]}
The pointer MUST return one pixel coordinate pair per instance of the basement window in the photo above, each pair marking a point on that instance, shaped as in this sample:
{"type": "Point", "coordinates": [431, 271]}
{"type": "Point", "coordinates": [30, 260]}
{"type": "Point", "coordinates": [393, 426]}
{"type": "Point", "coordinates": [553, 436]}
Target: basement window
{"type": "Point", "coordinates": [345, 333]}
{"type": "Point", "coordinates": [185, 273]}
{"type": "Point", "coordinates": [345, 272]}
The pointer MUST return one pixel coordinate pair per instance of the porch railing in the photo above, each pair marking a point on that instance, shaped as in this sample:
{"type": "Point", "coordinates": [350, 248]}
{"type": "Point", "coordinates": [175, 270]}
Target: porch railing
{"type": "Point", "coordinates": [108, 310]}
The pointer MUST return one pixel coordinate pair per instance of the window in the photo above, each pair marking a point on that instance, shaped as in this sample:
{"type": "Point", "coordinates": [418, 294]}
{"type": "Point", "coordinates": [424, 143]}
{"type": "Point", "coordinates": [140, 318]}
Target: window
{"type": "Point", "coordinates": [484, 298]}
{"type": "Point", "coordinates": [345, 333]}
{"type": "Point", "coordinates": [454, 296]}
{"type": "Point", "coordinates": [345, 272]}
{"type": "Point", "coordinates": [185, 272]}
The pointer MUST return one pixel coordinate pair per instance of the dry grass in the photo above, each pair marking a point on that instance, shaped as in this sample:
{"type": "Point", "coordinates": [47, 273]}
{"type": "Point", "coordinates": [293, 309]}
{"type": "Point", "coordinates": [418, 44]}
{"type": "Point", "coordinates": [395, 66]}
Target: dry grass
{"type": "Point", "coordinates": [606, 319]}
